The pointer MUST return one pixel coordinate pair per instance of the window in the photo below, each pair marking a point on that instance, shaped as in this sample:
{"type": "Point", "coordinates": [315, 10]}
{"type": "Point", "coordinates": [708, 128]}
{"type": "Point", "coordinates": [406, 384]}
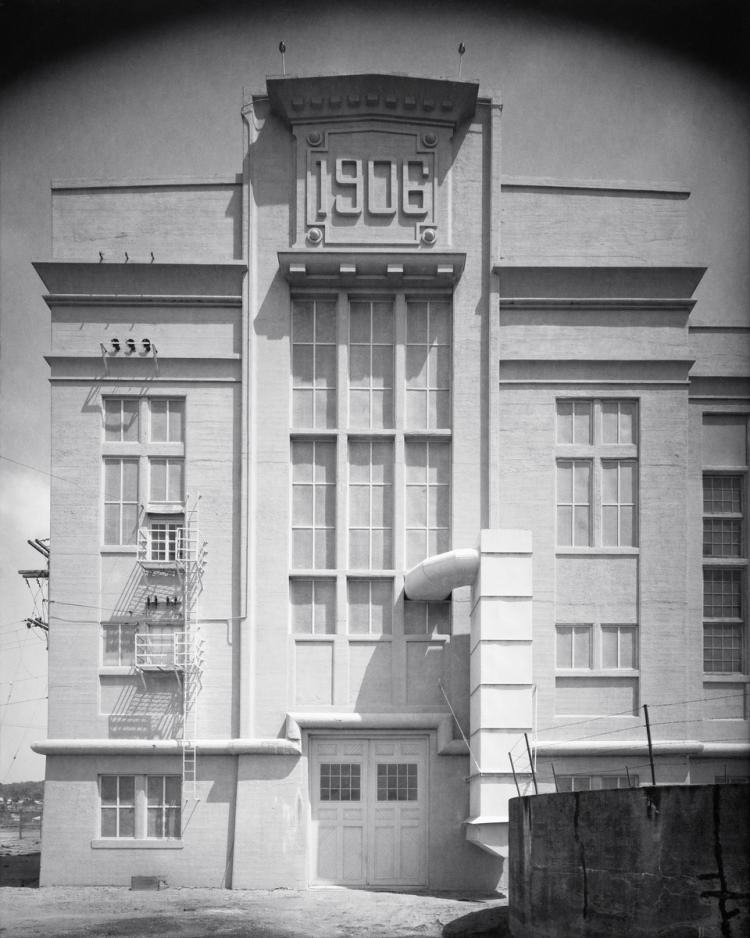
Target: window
{"type": "Point", "coordinates": [427, 618]}
{"type": "Point", "coordinates": [167, 478]}
{"type": "Point", "coordinates": [723, 514]}
{"type": "Point", "coordinates": [167, 420]}
{"type": "Point", "coordinates": [597, 646]}
{"type": "Point", "coordinates": [428, 363]}
{"type": "Point", "coordinates": [573, 646]}
{"type": "Point", "coordinates": [118, 644]}
{"type": "Point", "coordinates": [117, 797]}
{"type": "Point", "coordinates": [140, 806]}
{"type": "Point", "coordinates": [340, 781]}
{"type": "Point", "coordinates": [120, 501]}
{"type": "Point", "coordinates": [723, 640]}
{"type": "Point", "coordinates": [313, 606]}
{"type": "Point", "coordinates": [573, 503]}
{"type": "Point", "coordinates": [619, 647]}
{"type": "Point", "coordinates": [371, 458]}
{"type": "Point", "coordinates": [371, 363]}
{"type": "Point", "coordinates": [313, 504]}
{"type": "Point", "coordinates": [427, 500]}
{"type": "Point", "coordinates": [370, 607]}
{"type": "Point", "coordinates": [165, 538]}
{"type": "Point", "coordinates": [121, 419]}
{"type": "Point", "coordinates": [725, 446]}
{"type": "Point", "coordinates": [164, 804]}
{"type": "Point", "coordinates": [397, 781]}
{"type": "Point", "coordinates": [595, 782]}
{"type": "Point", "coordinates": [597, 473]}
{"type": "Point", "coordinates": [371, 504]}
{"type": "Point", "coordinates": [618, 503]}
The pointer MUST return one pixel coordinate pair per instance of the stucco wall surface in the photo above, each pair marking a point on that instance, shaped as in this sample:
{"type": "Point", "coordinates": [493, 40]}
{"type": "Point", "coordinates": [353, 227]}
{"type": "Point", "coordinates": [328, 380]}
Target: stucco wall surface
{"type": "Point", "coordinates": [668, 861]}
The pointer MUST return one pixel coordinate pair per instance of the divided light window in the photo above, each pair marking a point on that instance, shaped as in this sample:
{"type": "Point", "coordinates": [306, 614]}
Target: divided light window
{"type": "Point", "coordinates": [597, 473]}
{"type": "Point", "coordinates": [167, 480]}
{"type": "Point", "coordinates": [140, 807]}
{"type": "Point", "coordinates": [167, 420]}
{"type": "Point", "coordinates": [120, 501]}
{"type": "Point", "coordinates": [121, 419]}
{"type": "Point", "coordinates": [371, 458]}
{"type": "Point", "coordinates": [118, 644]}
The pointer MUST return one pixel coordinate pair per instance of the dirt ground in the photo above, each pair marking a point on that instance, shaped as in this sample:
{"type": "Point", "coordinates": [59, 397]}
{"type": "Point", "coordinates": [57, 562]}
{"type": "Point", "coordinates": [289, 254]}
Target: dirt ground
{"type": "Point", "coordinates": [94, 912]}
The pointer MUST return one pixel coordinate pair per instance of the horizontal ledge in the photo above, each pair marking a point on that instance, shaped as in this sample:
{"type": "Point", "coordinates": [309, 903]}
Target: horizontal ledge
{"type": "Point", "coordinates": [141, 299]}
{"type": "Point", "coordinates": [396, 720]}
{"type": "Point", "coordinates": [486, 819]}
{"type": "Point", "coordinates": [668, 188]}
{"type": "Point", "coordinates": [397, 268]}
{"type": "Point", "coordinates": [106, 843]}
{"type": "Point", "coordinates": [149, 182]}
{"type": "Point", "coordinates": [592, 304]}
{"type": "Point", "coordinates": [147, 747]}
{"type": "Point", "coordinates": [688, 747]}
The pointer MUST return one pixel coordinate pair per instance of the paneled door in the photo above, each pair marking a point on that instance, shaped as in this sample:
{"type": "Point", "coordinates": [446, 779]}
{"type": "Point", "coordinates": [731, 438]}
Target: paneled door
{"type": "Point", "coordinates": [369, 811]}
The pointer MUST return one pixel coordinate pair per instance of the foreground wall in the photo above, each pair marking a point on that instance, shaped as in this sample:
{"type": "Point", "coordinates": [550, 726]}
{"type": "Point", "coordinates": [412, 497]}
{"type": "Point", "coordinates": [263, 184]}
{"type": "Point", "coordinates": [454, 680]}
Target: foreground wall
{"type": "Point", "coordinates": [668, 861]}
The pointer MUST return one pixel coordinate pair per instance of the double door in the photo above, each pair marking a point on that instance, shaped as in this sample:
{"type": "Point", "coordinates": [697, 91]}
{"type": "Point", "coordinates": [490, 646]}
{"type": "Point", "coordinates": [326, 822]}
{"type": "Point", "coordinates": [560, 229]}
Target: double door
{"type": "Point", "coordinates": [369, 811]}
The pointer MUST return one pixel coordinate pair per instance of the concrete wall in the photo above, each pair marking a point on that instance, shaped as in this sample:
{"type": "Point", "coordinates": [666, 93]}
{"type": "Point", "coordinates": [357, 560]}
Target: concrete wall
{"type": "Point", "coordinates": [669, 861]}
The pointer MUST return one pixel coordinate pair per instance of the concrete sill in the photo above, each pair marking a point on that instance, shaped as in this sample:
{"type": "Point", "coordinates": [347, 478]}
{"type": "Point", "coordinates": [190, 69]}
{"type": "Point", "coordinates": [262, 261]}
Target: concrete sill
{"type": "Point", "coordinates": [115, 843]}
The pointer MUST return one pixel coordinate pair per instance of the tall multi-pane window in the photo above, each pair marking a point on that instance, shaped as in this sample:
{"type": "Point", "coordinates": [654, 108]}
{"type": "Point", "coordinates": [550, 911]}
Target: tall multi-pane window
{"type": "Point", "coordinates": [371, 364]}
{"type": "Point", "coordinates": [313, 504]}
{"type": "Point", "coordinates": [167, 420]}
{"type": "Point", "coordinates": [121, 419]}
{"type": "Point", "coordinates": [164, 806]}
{"type": "Point", "coordinates": [371, 459]}
{"type": "Point", "coordinates": [118, 644]}
{"type": "Point", "coordinates": [428, 363]}
{"type": "Point", "coordinates": [120, 501]}
{"type": "Point", "coordinates": [427, 499]}
{"type": "Point", "coordinates": [725, 557]}
{"type": "Point", "coordinates": [314, 363]}
{"type": "Point", "coordinates": [573, 502]}
{"type": "Point", "coordinates": [619, 650]}
{"type": "Point", "coordinates": [371, 504]}
{"type": "Point", "coordinates": [597, 473]}
{"type": "Point", "coordinates": [723, 620]}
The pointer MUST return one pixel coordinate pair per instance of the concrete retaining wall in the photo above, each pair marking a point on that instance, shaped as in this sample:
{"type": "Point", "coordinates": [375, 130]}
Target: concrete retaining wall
{"type": "Point", "coordinates": [669, 861]}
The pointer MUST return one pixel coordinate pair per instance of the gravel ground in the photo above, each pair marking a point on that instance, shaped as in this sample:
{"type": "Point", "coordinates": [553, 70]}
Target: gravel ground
{"type": "Point", "coordinates": [94, 912]}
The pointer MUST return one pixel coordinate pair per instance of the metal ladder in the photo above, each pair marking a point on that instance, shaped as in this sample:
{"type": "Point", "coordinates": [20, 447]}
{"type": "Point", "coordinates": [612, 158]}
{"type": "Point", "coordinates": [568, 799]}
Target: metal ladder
{"type": "Point", "coordinates": [191, 554]}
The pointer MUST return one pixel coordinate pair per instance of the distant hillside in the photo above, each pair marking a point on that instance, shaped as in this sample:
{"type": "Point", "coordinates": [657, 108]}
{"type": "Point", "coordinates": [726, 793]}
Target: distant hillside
{"type": "Point", "coordinates": [16, 790]}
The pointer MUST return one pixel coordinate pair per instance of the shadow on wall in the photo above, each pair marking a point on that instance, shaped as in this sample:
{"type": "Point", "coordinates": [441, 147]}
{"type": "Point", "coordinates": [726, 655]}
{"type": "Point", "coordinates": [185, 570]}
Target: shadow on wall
{"type": "Point", "coordinates": [149, 707]}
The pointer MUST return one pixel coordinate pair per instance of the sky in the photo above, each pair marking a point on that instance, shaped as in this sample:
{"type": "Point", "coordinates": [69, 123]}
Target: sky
{"type": "Point", "coordinates": [648, 91]}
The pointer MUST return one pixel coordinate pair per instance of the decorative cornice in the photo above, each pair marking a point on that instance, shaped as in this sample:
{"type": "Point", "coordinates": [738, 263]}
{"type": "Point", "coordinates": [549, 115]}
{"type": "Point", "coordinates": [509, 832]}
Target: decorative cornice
{"type": "Point", "coordinates": [145, 299]}
{"type": "Point", "coordinates": [164, 747]}
{"type": "Point", "coordinates": [436, 101]}
{"type": "Point", "coordinates": [596, 283]}
{"type": "Point", "coordinates": [369, 268]}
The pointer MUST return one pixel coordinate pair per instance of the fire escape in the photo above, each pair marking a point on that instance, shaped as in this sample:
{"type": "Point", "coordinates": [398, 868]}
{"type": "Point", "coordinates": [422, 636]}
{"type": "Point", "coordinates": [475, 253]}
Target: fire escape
{"type": "Point", "coordinates": [175, 550]}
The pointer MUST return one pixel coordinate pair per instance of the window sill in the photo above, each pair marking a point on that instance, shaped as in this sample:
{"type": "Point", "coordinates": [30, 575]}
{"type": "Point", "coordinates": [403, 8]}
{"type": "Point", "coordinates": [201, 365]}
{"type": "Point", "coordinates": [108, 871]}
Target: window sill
{"type": "Point", "coordinates": [597, 551]}
{"type": "Point", "coordinates": [117, 843]}
{"type": "Point", "coordinates": [624, 673]}
{"type": "Point", "coordinates": [119, 548]}
{"type": "Point", "coordinates": [735, 677]}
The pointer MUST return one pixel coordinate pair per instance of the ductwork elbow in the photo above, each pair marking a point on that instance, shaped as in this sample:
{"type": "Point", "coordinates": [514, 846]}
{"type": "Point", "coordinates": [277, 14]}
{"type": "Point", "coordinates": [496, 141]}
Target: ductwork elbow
{"type": "Point", "coordinates": [435, 577]}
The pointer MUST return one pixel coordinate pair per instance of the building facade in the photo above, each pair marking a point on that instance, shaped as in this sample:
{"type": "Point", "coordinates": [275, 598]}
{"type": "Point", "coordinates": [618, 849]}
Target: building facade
{"type": "Point", "coordinates": [383, 487]}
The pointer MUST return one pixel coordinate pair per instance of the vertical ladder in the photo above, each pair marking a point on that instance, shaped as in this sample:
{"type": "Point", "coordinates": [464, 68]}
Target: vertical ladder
{"type": "Point", "coordinates": [191, 555]}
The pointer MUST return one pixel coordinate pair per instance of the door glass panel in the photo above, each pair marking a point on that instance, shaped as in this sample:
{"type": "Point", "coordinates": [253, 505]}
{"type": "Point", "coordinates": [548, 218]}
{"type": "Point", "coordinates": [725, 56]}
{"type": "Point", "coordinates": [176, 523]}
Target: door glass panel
{"type": "Point", "coordinates": [397, 781]}
{"type": "Point", "coordinates": [340, 781]}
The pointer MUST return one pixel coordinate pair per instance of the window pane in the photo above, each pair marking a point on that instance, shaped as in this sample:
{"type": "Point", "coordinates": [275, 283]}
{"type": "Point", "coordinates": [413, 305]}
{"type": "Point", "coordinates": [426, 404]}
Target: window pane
{"type": "Point", "coordinates": [610, 421]}
{"type": "Point", "coordinates": [627, 422]}
{"type": "Point", "coordinates": [176, 421]}
{"type": "Point", "coordinates": [627, 527]}
{"type": "Point", "coordinates": [722, 648]}
{"type": "Point", "coordinates": [564, 482]}
{"type": "Point", "coordinates": [158, 421]}
{"type": "Point", "coordinates": [176, 481]}
{"type": "Point", "coordinates": [112, 419]}
{"type": "Point", "coordinates": [112, 479]}
{"type": "Point", "coordinates": [582, 422]}
{"type": "Point", "coordinates": [627, 648]}
{"type": "Point", "coordinates": [158, 480]}
{"type": "Point", "coordinates": [302, 548]}
{"type": "Point", "coordinates": [581, 648]}
{"type": "Point", "coordinates": [359, 607]}
{"type": "Point", "coordinates": [129, 524]}
{"type": "Point", "coordinates": [325, 321]}
{"type": "Point", "coordinates": [302, 365]}
{"type": "Point", "coordinates": [582, 474]}
{"type": "Point", "coordinates": [609, 483]}
{"type": "Point", "coordinates": [722, 538]}
{"type": "Point", "coordinates": [722, 594]}
{"type": "Point", "coordinates": [565, 526]}
{"type": "Point", "coordinates": [127, 789]}
{"type": "Point", "coordinates": [564, 422]}
{"type": "Point", "coordinates": [582, 527]}
{"type": "Point", "coordinates": [130, 480]}
{"type": "Point", "coordinates": [155, 786]}
{"type": "Point", "coordinates": [416, 322]}
{"type": "Point", "coordinates": [109, 822]}
{"type": "Point", "coordinates": [722, 495]}
{"type": "Point", "coordinates": [609, 526]}
{"type": "Point", "coordinates": [564, 647]}
{"type": "Point", "coordinates": [108, 789]}
{"type": "Point", "coordinates": [324, 611]}
{"type": "Point", "coordinates": [301, 599]}
{"type": "Point", "coordinates": [302, 321]}
{"type": "Point", "coordinates": [609, 648]}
